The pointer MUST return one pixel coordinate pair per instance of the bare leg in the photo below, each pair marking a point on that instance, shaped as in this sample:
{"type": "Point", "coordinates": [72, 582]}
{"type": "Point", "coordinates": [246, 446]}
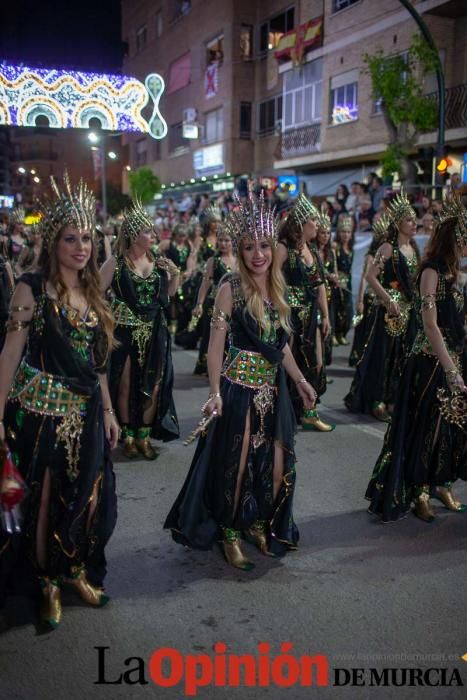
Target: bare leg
{"type": "Point", "coordinates": [150, 412]}
{"type": "Point", "coordinates": [278, 473]}
{"type": "Point", "coordinates": [124, 392]}
{"type": "Point", "coordinates": [243, 460]}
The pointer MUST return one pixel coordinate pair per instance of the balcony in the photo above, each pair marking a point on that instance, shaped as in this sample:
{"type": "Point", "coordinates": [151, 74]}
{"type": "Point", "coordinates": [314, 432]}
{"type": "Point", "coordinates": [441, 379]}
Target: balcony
{"type": "Point", "coordinates": [455, 106]}
{"type": "Point", "coordinates": [299, 142]}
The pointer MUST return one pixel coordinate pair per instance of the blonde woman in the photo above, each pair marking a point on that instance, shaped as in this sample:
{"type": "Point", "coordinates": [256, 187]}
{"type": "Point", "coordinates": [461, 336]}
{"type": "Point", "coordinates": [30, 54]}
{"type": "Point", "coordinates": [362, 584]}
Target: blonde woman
{"type": "Point", "coordinates": [243, 473]}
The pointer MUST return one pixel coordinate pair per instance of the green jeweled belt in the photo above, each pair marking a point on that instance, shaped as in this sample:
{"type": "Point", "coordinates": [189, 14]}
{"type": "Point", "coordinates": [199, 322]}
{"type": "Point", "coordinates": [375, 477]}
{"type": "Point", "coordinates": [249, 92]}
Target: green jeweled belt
{"type": "Point", "coordinates": [248, 368]}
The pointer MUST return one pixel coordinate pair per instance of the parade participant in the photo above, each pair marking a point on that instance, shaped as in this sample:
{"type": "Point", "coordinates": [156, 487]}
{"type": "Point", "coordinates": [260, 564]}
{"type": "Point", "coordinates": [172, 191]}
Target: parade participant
{"type": "Point", "coordinates": [59, 422]}
{"type": "Point", "coordinates": [178, 250]}
{"type": "Point", "coordinates": [29, 256]}
{"type": "Point", "coordinates": [222, 262]}
{"type": "Point", "coordinates": [366, 294]}
{"type": "Point", "coordinates": [392, 323]}
{"type": "Point", "coordinates": [17, 239]}
{"type": "Point", "coordinates": [344, 258]}
{"type": "Point", "coordinates": [306, 296]}
{"type": "Point", "coordinates": [6, 289]}
{"type": "Point", "coordinates": [327, 256]}
{"type": "Point", "coordinates": [141, 371]}
{"type": "Point", "coordinates": [243, 473]}
{"type": "Point", "coordinates": [424, 449]}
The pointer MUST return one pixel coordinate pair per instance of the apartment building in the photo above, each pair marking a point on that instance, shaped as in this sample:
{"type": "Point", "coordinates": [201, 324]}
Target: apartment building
{"type": "Point", "coordinates": [267, 87]}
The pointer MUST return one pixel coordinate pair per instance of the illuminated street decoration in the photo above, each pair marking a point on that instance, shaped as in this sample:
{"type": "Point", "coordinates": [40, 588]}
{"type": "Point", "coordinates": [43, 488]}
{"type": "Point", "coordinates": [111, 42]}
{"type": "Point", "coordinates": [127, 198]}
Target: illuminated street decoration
{"type": "Point", "coordinates": [70, 99]}
{"type": "Point", "coordinates": [344, 113]}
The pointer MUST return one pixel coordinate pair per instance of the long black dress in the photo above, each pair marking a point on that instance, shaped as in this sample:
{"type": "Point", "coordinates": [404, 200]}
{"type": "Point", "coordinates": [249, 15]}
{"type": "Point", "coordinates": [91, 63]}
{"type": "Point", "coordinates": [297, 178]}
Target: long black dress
{"type": "Point", "coordinates": [303, 282]}
{"type": "Point", "coordinates": [362, 329]}
{"type": "Point", "coordinates": [421, 448]}
{"type": "Point", "coordinates": [219, 269]}
{"type": "Point", "coordinates": [343, 310]}
{"type": "Point", "coordinates": [54, 422]}
{"type": "Point", "coordinates": [183, 302]}
{"type": "Point", "coordinates": [389, 341]}
{"type": "Point", "coordinates": [254, 389]}
{"type": "Point", "coordinates": [139, 306]}
{"type": "Point", "coordinates": [5, 296]}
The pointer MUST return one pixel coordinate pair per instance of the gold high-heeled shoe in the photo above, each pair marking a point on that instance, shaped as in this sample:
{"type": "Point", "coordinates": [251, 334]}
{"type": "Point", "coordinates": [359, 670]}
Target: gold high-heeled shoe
{"type": "Point", "coordinates": [257, 534]}
{"type": "Point", "coordinates": [380, 412]}
{"type": "Point", "coordinates": [51, 604]}
{"type": "Point", "coordinates": [422, 507]}
{"type": "Point", "coordinates": [143, 444]}
{"type": "Point", "coordinates": [342, 340]}
{"type": "Point", "coordinates": [445, 495]}
{"type": "Point", "coordinates": [311, 421]}
{"type": "Point", "coordinates": [233, 552]}
{"type": "Point", "coordinates": [92, 595]}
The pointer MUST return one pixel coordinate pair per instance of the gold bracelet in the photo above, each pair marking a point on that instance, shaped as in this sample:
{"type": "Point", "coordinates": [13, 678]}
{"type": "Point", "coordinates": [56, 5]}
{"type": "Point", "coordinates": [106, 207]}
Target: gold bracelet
{"type": "Point", "coordinates": [110, 411]}
{"type": "Point", "coordinates": [214, 395]}
{"type": "Point", "coordinates": [302, 380]}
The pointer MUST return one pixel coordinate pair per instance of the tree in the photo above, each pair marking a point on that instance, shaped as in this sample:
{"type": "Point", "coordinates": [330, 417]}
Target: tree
{"type": "Point", "coordinates": [398, 82]}
{"type": "Point", "coordinates": [144, 184]}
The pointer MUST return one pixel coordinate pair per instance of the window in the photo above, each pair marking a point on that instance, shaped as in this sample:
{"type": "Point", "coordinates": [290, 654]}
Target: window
{"type": "Point", "coordinates": [214, 126]}
{"type": "Point", "coordinates": [141, 38]}
{"type": "Point", "coordinates": [245, 120]}
{"type": "Point", "coordinates": [158, 24]}
{"type": "Point", "coordinates": [246, 42]}
{"type": "Point", "coordinates": [270, 113]}
{"type": "Point", "coordinates": [343, 105]}
{"type": "Point", "coordinates": [180, 8]}
{"type": "Point", "coordinates": [141, 153]}
{"type": "Point", "coordinates": [342, 4]}
{"type": "Point", "coordinates": [215, 51]}
{"type": "Point", "coordinates": [179, 73]}
{"type": "Point", "coordinates": [271, 31]}
{"type": "Point", "coordinates": [176, 140]}
{"type": "Point", "coordinates": [377, 102]}
{"type": "Point", "coordinates": [303, 91]}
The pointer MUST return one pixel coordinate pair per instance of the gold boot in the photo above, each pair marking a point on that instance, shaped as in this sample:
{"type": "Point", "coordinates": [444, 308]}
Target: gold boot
{"type": "Point", "coordinates": [342, 340]}
{"type": "Point", "coordinates": [233, 552]}
{"type": "Point", "coordinates": [51, 604]}
{"type": "Point", "coordinates": [92, 595]}
{"type": "Point", "coordinates": [422, 507]}
{"type": "Point", "coordinates": [445, 495]}
{"type": "Point", "coordinates": [143, 444]}
{"type": "Point", "coordinates": [129, 447]}
{"type": "Point", "coordinates": [380, 412]}
{"type": "Point", "coordinates": [257, 534]}
{"type": "Point", "coordinates": [311, 421]}
{"type": "Point", "coordinates": [334, 341]}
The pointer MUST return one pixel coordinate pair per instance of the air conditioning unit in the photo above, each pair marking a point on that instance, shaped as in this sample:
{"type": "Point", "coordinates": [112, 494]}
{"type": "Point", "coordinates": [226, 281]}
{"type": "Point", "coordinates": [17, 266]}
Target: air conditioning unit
{"type": "Point", "coordinates": [190, 115]}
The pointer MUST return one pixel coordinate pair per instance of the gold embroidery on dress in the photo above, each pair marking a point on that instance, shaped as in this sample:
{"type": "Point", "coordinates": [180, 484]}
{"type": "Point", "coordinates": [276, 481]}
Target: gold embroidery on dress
{"type": "Point", "coordinates": [69, 432]}
{"type": "Point", "coordinates": [263, 402]}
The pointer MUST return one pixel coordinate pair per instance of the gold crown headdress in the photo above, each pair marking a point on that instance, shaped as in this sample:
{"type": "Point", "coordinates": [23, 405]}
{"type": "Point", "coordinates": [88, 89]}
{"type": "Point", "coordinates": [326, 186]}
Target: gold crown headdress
{"type": "Point", "coordinates": [344, 223]}
{"type": "Point", "coordinates": [135, 220]}
{"type": "Point", "coordinates": [212, 213]}
{"type": "Point", "coordinates": [303, 210]}
{"type": "Point", "coordinates": [454, 209]}
{"type": "Point", "coordinates": [252, 220]}
{"type": "Point", "coordinates": [324, 222]}
{"type": "Point", "coordinates": [400, 208]}
{"type": "Point", "coordinates": [380, 226]}
{"type": "Point", "coordinates": [17, 215]}
{"type": "Point", "coordinates": [71, 206]}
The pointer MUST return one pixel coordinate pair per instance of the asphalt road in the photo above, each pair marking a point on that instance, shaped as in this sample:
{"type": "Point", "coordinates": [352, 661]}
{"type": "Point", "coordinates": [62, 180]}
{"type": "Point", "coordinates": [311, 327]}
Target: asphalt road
{"type": "Point", "coordinates": [363, 594]}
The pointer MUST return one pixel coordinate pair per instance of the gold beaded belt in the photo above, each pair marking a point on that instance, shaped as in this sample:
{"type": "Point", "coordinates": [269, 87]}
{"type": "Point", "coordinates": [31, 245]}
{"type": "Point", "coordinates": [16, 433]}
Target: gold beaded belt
{"type": "Point", "coordinates": [47, 395]}
{"type": "Point", "coordinates": [248, 368]}
{"type": "Point", "coordinates": [141, 330]}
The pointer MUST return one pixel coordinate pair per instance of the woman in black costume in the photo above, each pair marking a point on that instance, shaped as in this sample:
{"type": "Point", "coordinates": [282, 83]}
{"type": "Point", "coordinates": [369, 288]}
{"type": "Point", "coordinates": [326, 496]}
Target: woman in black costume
{"type": "Point", "coordinates": [217, 266]}
{"type": "Point", "coordinates": [327, 256]}
{"type": "Point", "coordinates": [6, 290]}
{"type": "Point", "coordinates": [59, 421]}
{"type": "Point", "coordinates": [393, 321]}
{"type": "Point", "coordinates": [344, 258]}
{"type": "Point", "coordinates": [178, 250]}
{"type": "Point", "coordinates": [306, 296]}
{"type": "Point", "coordinates": [141, 370]}
{"type": "Point", "coordinates": [366, 295]}
{"type": "Point", "coordinates": [425, 447]}
{"type": "Point", "coordinates": [242, 476]}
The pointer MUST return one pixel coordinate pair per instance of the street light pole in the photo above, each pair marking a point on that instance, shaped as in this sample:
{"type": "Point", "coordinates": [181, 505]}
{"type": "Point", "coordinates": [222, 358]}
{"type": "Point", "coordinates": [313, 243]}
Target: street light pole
{"type": "Point", "coordinates": [103, 176]}
{"type": "Point", "coordinates": [440, 80]}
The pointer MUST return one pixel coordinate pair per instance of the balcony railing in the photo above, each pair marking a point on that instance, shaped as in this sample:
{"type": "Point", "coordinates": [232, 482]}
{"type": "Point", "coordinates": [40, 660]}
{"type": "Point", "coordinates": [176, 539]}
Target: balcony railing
{"type": "Point", "coordinates": [455, 106]}
{"type": "Point", "coordinates": [299, 142]}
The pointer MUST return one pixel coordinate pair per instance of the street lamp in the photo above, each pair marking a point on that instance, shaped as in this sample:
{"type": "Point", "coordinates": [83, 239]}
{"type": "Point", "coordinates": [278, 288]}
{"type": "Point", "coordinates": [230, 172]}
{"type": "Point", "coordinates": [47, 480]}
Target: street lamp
{"type": "Point", "coordinates": [112, 155]}
{"type": "Point", "coordinates": [98, 141]}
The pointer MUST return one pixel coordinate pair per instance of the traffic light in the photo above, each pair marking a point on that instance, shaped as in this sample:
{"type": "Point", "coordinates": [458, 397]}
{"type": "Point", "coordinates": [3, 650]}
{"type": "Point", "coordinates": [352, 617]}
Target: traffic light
{"type": "Point", "coordinates": [443, 164]}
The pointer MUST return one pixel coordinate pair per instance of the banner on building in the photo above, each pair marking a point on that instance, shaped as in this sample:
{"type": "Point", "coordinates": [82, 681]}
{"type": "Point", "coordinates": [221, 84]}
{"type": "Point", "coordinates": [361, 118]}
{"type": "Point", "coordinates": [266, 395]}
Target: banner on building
{"type": "Point", "coordinates": [211, 81]}
{"type": "Point", "coordinates": [294, 44]}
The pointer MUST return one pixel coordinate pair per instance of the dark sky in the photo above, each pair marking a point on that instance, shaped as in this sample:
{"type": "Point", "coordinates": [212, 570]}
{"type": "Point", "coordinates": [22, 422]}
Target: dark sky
{"type": "Point", "coordinates": [80, 34]}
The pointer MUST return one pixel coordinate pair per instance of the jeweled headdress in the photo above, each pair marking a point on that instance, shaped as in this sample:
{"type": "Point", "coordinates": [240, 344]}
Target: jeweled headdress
{"type": "Point", "coordinates": [69, 206]}
{"type": "Point", "coordinates": [324, 222]}
{"type": "Point", "coordinates": [252, 220]}
{"type": "Point", "coordinates": [454, 209]}
{"type": "Point", "coordinates": [302, 210]}
{"type": "Point", "coordinates": [400, 208]}
{"type": "Point", "coordinates": [380, 226]}
{"type": "Point", "coordinates": [135, 220]}
{"type": "Point", "coordinates": [345, 223]}
{"type": "Point", "coordinates": [17, 215]}
{"type": "Point", "coordinates": [212, 214]}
